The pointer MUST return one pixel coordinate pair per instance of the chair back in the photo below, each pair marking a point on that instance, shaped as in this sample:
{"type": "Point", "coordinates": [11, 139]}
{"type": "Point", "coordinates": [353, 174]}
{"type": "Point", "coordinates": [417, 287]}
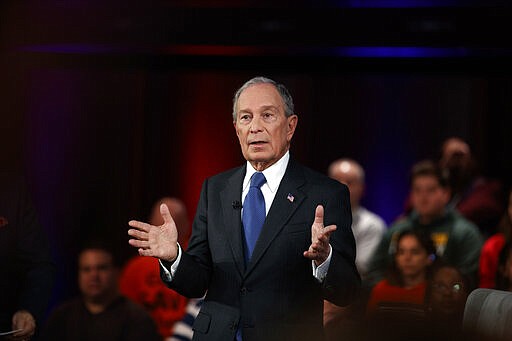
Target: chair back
{"type": "Point", "coordinates": [488, 314]}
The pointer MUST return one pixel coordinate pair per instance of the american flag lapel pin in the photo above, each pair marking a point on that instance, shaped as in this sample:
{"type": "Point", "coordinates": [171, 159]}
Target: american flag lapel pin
{"type": "Point", "coordinates": [290, 197]}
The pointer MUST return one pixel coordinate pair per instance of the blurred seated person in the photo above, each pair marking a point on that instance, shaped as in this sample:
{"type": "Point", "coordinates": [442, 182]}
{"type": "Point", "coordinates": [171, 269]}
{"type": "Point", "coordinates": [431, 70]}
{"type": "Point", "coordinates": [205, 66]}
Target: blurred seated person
{"type": "Point", "coordinates": [399, 299]}
{"type": "Point", "coordinates": [100, 313]}
{"type": "Point", "coordinates": [447, 296]}
{"type": "Point", "coordinates": [27, 269]}
{"type": "Point", "coordinates": [407, 278]}
{"type": "Point", "coordinates": [140, 278]}
{"type": "Point", "coordinates": [457, 240]}
{"type": "Point", "coordinates": [477, 198]}
{"type": "Point", "coordinates": [493, 246]}
{"type": "Point", "coordinates": [368, 229]}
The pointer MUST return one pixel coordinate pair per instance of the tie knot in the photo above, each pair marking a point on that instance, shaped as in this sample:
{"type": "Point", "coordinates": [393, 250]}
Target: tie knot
{"type": "Point", "coordinates": [258, 179]}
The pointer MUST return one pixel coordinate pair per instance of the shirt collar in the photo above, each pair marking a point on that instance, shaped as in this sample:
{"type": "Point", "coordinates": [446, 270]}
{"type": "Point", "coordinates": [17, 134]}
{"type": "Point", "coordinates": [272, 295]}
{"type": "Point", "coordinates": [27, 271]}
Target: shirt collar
{"type": "Point", "coordinates": [274, 174]}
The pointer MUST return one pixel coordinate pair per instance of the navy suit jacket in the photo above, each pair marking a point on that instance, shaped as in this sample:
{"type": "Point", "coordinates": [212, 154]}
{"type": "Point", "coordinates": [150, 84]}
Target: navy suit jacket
{"type": "Point", "coordinates": [275, 296]}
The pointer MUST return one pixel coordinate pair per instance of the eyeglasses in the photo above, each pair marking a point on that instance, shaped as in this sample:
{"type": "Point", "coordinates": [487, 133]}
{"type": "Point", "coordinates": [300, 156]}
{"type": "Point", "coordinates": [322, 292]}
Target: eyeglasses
{"type": "Point", "coordinates": [454, 288]}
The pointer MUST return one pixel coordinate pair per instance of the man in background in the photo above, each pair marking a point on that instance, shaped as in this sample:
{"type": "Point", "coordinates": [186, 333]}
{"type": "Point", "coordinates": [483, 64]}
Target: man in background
{"type": "Point", "coordinates": [478, 198]}
{"type": "Point", "coordinates": [100, 313]}
{"type": "Point", "coordinates": [368, 229]}
{"type": "Point", "coordinates": [456, 239]}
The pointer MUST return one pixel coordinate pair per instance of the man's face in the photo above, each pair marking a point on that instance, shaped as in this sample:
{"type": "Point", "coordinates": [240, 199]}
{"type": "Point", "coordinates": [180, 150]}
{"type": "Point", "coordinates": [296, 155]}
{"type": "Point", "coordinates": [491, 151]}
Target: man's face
{"type": "Point", "coordinates": [456, 155]}
{"type": "Point", "coordinates": [97, 276]}
{"type": "Point", "coordinates": [263, 130]}
{"type": "Point", "coordinates": [428, 197]}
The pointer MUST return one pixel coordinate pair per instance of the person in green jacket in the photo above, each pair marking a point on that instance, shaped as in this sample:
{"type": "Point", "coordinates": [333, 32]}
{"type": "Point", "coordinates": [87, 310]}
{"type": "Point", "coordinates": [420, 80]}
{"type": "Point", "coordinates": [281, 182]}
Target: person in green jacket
{"type": "Point", "coordinates": [457, 240]}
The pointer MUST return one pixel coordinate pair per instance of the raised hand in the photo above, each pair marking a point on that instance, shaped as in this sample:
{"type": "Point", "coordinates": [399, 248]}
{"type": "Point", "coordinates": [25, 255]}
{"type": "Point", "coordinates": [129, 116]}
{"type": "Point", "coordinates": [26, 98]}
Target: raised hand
{"type": "Point", "coordinates": [319, 249]}
{"type": "Point", "coordinates": [156, 241]}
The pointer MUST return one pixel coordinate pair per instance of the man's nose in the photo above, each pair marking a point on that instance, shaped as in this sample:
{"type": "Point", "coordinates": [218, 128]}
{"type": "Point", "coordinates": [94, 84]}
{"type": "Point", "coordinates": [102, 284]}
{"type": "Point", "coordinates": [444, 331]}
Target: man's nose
{"type": "Point", "coordinates": [256, 124]}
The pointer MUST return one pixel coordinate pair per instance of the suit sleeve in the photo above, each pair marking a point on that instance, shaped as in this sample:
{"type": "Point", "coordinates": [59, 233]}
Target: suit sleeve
{"type": "Point", "coordinates": [342, 283]}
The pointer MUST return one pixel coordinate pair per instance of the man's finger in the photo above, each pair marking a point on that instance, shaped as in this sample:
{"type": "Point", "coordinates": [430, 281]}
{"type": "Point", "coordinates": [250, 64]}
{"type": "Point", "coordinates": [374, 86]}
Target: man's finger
{"type": "Point", "coordinates": [138, 243]}
{"type": "Point", "coordinates": [328, 230]}
{"type": "Point", "coordinates": [138, 234]}
{"type": "Point", "coordinates": [166, 215]}
{"type": "Point", "coordinates": [139, 225]}
{"type": "Point", "coordinates": [319, 215]}
{"type": "Point", "coordinates": [145, 252]}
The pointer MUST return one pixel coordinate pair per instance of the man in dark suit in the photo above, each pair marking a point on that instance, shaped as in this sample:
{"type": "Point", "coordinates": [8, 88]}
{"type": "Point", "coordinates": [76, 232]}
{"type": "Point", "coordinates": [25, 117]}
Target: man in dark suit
{"type": "Point", "coordinates": [27, 270]}
{"type": "Point", "coordinates": [274, 291]}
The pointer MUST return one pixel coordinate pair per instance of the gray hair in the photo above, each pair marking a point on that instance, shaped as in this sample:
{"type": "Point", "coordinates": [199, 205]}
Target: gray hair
{"type": "Point", "coordinates": [285, 94]}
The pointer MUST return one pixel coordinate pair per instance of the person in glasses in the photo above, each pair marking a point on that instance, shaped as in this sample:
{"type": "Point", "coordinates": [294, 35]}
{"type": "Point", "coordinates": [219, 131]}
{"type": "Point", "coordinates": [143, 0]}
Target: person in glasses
{"type": "Point", "coordinates": [447, 296]}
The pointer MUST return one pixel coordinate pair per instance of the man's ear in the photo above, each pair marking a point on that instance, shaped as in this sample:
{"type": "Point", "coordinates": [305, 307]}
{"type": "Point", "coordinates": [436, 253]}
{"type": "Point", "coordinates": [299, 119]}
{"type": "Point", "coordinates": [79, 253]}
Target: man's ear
{"type": "Point", "coordinates": [292, 124]}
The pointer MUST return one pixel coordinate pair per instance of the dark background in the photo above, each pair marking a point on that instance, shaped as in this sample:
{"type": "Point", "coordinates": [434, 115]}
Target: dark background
{"type": "Point", "coordinates": [107, 106]}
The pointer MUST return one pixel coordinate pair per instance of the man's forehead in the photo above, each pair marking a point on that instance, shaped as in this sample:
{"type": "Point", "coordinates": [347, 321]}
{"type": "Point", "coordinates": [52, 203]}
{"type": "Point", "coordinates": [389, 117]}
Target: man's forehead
{"type": "Point", "coordinates": [426, 180]}
{"type": "Point", "coordinates": [95, 256]}
{"type": "Point", "coordinates": [260, 108]}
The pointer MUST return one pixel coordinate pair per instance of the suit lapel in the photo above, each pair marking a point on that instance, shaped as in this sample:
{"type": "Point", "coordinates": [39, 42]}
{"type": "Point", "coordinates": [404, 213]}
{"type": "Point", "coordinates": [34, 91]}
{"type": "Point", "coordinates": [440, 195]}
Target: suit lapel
{"type": "Point", "coordinates": [280, 212]}
{"type": "Point", "coordinates": [232, 217]}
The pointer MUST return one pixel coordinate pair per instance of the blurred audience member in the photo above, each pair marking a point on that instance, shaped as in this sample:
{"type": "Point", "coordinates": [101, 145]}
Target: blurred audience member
{"type": "Point", "coordinates": [399, 299]}
{"type": "Point", "coordinates": [456, 239]}
{"type": "Point", "coordinates": [406, 281]}
{"type": "Point", "coordinates": [368, 229]}
{"type": "Point", "coordinates": [140, 278]}
{"type": "Point", "coordinates": [476, 197]}
{"type": "Point", "coordinates": [447, 296]}
{"type": "Point", "coordinates": [28, 272]}
{"type": "Point", "coordinates": [492, 247]}
{"type": "Point", "coordinates": [100, 313]}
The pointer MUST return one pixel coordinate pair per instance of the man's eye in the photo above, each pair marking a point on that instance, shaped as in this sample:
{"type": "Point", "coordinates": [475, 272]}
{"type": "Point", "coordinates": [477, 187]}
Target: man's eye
{"type": "Point", "coordinates": [268, 116]}
{"type": "Point", "coordinates": [244, 117]}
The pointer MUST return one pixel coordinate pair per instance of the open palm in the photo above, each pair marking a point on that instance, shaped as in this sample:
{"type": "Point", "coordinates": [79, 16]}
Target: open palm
{"type": "Point", "coordinates": [155, 241]}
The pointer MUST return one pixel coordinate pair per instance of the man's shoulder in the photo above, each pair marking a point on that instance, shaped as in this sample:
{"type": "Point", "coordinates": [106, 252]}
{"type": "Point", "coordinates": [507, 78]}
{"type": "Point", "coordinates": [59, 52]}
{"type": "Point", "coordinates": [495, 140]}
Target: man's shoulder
{"type": "Point", "coordinates": [371, 219]}
{"type": "Point", "coordinates": [401, 224]}
{"type": "Point", "coordinates": [463, 225]}
{"type": "Point", "coordinates": [68, 309]}
{"type": "Point", "coordinates": [222, 176]}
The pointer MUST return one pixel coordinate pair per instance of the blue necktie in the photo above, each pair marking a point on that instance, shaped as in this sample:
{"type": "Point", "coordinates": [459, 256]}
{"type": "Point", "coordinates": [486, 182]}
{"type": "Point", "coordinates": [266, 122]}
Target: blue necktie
{"type": "Point", "coordinates": [253, 215]}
